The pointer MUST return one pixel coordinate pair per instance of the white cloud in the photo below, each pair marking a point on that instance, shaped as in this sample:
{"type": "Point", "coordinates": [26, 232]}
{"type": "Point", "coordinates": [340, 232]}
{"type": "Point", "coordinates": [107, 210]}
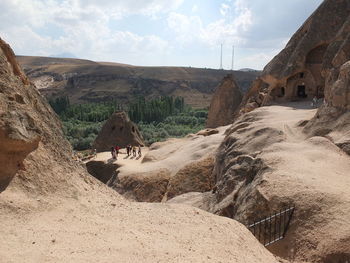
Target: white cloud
{"type": "Point", "coordinates": [258, 59]}
{"type": "Point", "coordinates": [194, 8]}
{"type": "Point", "coordinates": [235, 19]}
{"type": "Point", "coordinates": [90, 28]}
{"type": "Point", "coordinates": [186, 28]}
{"type": "Point", "coordinates": [83, 27]}
{"type": "Point", "coordinates": [122, 8]}
{"type": "Point", "coordinates": [224, 9]}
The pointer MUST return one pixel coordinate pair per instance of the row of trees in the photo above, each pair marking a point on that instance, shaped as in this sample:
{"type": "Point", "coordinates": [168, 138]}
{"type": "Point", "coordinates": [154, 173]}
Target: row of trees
{"type": "Point", "coordinates": [157, 119]}
{"type": "Point", "coordinates": [89, 112]}
{"type": "Point", "coordinates": [155, 110]}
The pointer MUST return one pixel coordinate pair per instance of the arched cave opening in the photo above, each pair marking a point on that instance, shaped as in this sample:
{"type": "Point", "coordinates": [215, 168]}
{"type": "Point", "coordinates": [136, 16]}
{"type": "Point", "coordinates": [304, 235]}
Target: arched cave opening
{"type": "Point", "coordinates": [301, 91]}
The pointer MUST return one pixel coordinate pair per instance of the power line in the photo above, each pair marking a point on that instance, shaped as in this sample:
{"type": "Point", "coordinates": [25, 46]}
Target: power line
{"type": "Point", "coordinates": [233, 56]}
{"type": "Point", "coordinates": [221, 58]}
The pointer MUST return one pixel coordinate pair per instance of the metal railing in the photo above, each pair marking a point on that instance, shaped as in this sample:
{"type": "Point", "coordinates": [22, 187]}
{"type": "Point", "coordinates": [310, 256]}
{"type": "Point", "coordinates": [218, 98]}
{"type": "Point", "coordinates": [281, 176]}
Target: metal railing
{"type": "Point", "coordinates": [272, 228]}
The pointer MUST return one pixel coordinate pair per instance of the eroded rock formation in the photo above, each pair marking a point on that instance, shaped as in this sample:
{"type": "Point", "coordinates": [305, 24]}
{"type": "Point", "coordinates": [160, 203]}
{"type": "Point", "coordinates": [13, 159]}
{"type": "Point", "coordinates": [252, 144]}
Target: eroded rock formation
{"type": "Point", "coordinates": [33, 146]}
{"type": "Point", "coordinates": [18, 134]}
{"type": "Point", "coordinates": [224, 103]}
{"type": "Point", "coordinates": [310, 61]}
{"type": "Point", "coordinates": [118, 130]}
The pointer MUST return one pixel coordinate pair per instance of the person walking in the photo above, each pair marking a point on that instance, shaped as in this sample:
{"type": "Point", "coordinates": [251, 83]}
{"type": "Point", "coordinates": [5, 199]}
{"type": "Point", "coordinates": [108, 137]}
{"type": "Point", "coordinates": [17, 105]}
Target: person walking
{"type": "Point", "coordinates": [117, 150]}
{"type": "Point", "coordinates": [127, 150]}
{"type": "Point", "coordinates": [113, 153]}
{"type": "Point", "coordinates": [134, 151]}
{"type": "Point", "coordinates": [139, 151]}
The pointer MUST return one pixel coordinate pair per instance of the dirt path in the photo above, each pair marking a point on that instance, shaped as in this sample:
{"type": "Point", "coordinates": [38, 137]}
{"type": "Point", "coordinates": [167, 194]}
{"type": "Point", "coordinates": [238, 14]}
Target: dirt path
{"type": "Point", "coordinates": [172, 154]}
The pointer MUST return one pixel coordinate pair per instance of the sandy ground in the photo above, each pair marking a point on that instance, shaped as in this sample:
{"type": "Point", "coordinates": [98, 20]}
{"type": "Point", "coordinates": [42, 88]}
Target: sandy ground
{"type": "Point", "coordinates": [100, 226]}
{"type": "Point", "coordinates": [85, 221]}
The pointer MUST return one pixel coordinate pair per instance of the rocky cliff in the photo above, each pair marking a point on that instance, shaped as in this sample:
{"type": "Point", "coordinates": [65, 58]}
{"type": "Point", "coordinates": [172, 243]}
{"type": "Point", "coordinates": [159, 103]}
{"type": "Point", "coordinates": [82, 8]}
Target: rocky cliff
{"type": "Point", "coordinates": [225, 102]}
{"type": "Point", "coordinates": [33, 144]}
{"type": "Point", "coordinates": [89, 81]}
{"type": "Point", "coordinates": [309, 63]}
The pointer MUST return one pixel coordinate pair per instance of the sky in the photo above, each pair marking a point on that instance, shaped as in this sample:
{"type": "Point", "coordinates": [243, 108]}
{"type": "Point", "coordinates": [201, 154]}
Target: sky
{"type": "Point", "coordinates": [154, 32]}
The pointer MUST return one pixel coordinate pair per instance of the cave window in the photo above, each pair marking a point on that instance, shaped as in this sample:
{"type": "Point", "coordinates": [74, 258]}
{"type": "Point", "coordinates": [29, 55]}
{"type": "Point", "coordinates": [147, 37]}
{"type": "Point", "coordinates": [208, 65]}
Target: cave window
{"type": "Point", "coordinates": [301, 91]}
{"type": "Point", "coordinates": [283, 91]}
{"type": "Point", "coordinates": [301, 75]}
{"type": "Point", "coordinates": [133, 129]}
{"type": "Point", "coordinates": [113, 128]}
{"type": "Point", "coordinates": [121, 128]}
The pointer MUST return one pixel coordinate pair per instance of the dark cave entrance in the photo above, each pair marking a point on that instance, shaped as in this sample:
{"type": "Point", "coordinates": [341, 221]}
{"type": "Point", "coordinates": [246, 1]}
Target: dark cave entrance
{"type": "Point", "coordinates": [301, 91]}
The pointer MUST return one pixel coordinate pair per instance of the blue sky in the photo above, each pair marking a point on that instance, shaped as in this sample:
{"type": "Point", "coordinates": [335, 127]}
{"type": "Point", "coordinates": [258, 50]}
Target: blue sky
{"type": "Point", "coordinates": [154, 32]}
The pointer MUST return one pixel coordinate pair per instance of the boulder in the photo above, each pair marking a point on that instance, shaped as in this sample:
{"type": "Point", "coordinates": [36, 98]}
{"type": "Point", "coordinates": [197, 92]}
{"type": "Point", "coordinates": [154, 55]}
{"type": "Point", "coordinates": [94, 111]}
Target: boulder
{"type": "Point", "coordinates": [224, 103]}
{"type": "Point", "coordinates": [118, 130]}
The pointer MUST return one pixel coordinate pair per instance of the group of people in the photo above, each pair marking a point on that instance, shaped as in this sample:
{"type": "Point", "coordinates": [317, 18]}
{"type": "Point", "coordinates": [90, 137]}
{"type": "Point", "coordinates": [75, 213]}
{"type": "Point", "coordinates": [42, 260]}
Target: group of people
{"type": "Point", "coordinates": [130, 150]}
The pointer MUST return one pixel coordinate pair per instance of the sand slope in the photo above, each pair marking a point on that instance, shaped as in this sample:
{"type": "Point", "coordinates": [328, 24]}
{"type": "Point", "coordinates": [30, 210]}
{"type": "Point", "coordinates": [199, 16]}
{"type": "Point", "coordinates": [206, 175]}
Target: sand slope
{"type": "Point", "coordinates": [101, 227]}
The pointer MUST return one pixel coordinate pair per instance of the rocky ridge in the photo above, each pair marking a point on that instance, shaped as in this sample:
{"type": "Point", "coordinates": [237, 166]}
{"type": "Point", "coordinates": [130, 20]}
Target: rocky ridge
{"type": "Point", "coordinates": [89, 81]}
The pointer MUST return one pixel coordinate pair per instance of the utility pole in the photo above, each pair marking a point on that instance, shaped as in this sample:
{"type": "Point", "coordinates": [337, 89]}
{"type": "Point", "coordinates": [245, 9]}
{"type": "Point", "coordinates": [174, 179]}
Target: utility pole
{"type": "Point", "coordinates": [221, 58]}
{"type": "Point", "coordinates": [233, 56]}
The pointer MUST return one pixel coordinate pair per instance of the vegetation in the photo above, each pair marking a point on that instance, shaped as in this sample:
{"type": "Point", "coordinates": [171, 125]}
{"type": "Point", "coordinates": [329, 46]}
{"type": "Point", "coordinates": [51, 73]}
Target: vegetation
{"type": "Point", "coordinates": [157, 119]}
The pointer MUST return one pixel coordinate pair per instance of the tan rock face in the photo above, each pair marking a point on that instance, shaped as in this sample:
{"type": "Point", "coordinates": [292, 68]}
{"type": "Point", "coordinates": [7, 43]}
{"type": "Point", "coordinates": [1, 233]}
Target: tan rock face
{"type": "Point", "coordinates": [118, 130]}
{"type": "Point", "coordinates": [194, 177]}
{"type": "Point", "coordinates": [266, 163]}
{"type": "Point", "coordinates": [33, 146]}
{"type": "Point", "coordinates": [18, 134]}
{"type": "Point", "coordinates": [224, 103]}
{"type": "Point", "coordinates": [143, 187]}
{"type": "Point", "coordinates": [338, 92]}
{"type": "Point", "coordinates": [310, 61]}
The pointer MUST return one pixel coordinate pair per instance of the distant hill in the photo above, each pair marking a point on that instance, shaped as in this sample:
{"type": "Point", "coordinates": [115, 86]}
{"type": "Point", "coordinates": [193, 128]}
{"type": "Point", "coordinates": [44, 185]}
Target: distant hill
{"type": "Point", "coordinates": [90, 81]}
{"type": "Point", "coordinates": [248, 70]}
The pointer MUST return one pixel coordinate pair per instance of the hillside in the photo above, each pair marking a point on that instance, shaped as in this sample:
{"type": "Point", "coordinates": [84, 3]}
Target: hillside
{"type": "Point", "coordinates": [89, 81]}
